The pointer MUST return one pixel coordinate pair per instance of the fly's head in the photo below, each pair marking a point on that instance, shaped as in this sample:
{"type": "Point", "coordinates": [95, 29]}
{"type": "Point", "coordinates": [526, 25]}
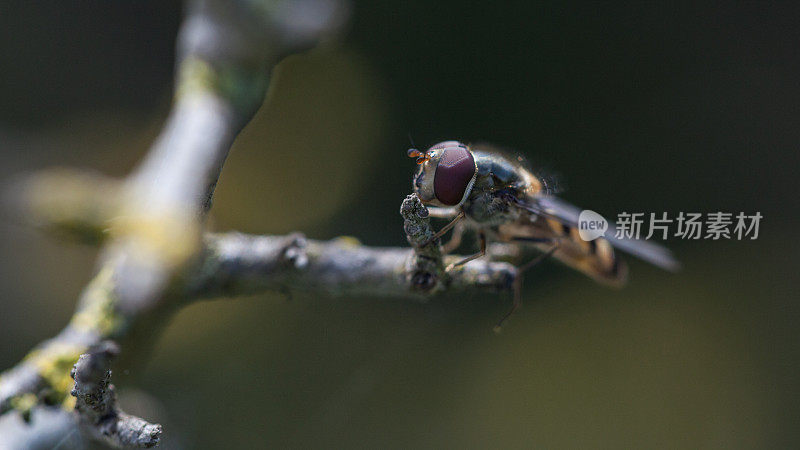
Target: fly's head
{"type": "Point", "coordinates": [446, 173]}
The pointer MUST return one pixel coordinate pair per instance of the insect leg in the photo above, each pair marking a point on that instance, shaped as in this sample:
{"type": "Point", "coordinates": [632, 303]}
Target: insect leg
{"type": "Point", "coordinates": [455, 239]}
{"type": "Point", "coordinates": [482, 237]}
{"type": "Point", "coordinates": [445, 228]}
{"type": "Point", "coordinates": [518, 283]}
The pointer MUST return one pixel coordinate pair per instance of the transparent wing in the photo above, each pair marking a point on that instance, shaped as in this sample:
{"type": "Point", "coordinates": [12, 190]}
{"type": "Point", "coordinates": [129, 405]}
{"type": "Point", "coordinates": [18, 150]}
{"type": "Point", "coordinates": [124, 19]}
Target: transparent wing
{"type": "Point", "coordinates": [555, 208]}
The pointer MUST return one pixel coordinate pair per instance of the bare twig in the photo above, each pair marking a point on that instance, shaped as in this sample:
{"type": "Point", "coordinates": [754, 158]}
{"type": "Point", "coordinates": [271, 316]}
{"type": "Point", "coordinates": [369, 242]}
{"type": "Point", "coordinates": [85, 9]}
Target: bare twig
{"type": "Point", "coordinates": [237, 264]}
{"type": "Point", "coordinates": [96, 402]}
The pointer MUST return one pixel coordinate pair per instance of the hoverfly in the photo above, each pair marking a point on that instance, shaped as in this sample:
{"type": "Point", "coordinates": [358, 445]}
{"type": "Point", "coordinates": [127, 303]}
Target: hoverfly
{"type": "Point", "coordinates": [484, 190]}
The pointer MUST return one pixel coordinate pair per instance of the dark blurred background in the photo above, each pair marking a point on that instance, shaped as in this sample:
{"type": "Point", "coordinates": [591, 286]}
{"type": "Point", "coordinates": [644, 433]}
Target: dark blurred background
{"type": "Point", "coordinates": [639, 106]}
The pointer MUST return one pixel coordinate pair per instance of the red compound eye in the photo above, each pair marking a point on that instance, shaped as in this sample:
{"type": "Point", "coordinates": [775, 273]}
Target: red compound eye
{"type": "Point", "coordinates": [453, 174]}
{"type": "Point", "coordinates": [446, 144]}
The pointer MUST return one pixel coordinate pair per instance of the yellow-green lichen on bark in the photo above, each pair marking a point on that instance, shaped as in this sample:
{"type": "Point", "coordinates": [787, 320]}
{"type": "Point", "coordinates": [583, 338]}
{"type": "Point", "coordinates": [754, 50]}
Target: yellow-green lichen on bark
{"type": "Point", "coordinates": [243, 86]}
{"type": "Point", "coordinates": [98, 311]}
{"type": "Point", "coordinates": [348, 241]}
{"type": "Point", "coordinates": [23, 404]}
{"type": "Point", "coordinates": [53, 363]}
{"type": "Point", "coordinates": [72, 203]}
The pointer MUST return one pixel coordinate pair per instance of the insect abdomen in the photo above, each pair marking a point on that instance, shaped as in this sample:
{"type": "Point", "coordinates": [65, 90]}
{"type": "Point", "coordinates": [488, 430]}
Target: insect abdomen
{"type": "Point", "coordinates": [596, 258]}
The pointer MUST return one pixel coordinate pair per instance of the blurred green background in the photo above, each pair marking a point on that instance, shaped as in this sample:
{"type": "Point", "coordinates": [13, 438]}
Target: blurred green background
{"type": "Point", "coordinates": [639, 106]}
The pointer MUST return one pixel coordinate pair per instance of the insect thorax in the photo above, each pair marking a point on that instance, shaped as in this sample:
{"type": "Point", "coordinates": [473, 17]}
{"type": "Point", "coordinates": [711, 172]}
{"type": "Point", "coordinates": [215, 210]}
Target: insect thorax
{"type": "Point", "coordinates": [489, 207]}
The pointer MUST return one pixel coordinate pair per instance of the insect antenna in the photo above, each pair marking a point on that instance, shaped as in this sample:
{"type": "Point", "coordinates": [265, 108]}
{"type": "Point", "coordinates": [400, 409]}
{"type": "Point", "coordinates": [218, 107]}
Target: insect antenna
{"type": "Point", "coordinates": [413, 152]}
{"type": "Point", "coordinates": [421, 157]}
{"type": "Point", "coordinates": [413, 145]}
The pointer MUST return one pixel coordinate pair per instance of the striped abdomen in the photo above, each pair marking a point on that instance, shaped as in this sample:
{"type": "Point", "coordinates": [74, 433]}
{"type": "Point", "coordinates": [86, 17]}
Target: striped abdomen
{"type": "Point", "coordinates": [596, 258]}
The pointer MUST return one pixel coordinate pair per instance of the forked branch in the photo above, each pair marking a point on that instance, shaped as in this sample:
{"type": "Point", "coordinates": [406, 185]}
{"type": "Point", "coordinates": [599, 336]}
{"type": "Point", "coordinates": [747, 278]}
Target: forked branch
{"type": "Point", "coordinates": [156, 255]}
